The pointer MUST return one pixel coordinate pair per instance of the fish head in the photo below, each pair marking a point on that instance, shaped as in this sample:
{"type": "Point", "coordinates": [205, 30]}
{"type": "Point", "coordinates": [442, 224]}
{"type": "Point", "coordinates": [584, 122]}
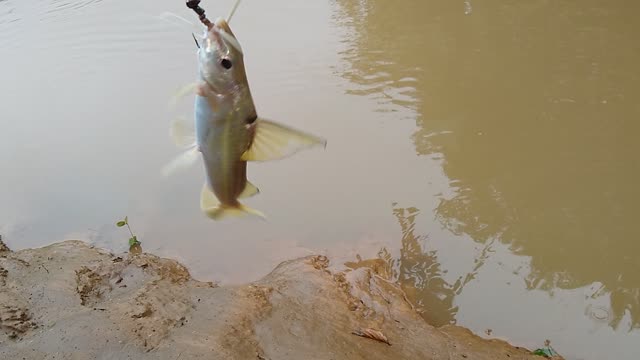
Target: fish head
{"type": "Point", "coordinates": [220, 58]}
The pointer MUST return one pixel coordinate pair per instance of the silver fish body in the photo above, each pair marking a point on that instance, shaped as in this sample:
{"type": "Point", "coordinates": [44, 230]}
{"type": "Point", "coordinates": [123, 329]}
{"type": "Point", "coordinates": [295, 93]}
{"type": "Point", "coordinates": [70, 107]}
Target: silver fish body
{"type": "Point", "coordinates": [228, 131]}
{"type": "Point", "coordinates": [222, 137]}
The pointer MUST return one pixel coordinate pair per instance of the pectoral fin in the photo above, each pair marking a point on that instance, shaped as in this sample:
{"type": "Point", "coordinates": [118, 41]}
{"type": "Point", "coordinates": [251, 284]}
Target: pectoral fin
{"type": "Point", "coordinates": [182, 92]}
{"type": "Point", "coordinates": [181, 134]}
{"type": "Point", "coordinates": [273, 141]}
{"type": "Point", "coordinates": [185, 138]}
{"type": "Point", "coordinates": [182, 161]}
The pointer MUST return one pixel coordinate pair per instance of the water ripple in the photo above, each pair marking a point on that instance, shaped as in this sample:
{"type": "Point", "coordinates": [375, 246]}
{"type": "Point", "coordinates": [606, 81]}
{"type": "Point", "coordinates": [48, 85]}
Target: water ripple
{"type": "Point", "coordinates": [7, 12]}
{"type": "Point", "coordinates": [57, 6]}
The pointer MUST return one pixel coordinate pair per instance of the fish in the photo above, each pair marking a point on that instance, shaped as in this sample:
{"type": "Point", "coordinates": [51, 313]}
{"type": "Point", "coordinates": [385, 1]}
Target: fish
{"type": "Point", "coordinates": [229, 133]}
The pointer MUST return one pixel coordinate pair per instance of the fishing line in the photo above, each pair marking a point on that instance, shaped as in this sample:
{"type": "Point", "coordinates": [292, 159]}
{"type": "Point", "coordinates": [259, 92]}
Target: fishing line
{"type": "Point", "coordinates": [233, 10]}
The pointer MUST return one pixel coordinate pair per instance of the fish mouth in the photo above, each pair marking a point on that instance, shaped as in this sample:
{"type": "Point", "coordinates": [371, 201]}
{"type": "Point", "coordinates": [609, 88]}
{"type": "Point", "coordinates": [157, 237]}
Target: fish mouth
{"type": "Point", "coordinates": [221, 23]}
{"type": "Point", "coordinates": [223, 36]}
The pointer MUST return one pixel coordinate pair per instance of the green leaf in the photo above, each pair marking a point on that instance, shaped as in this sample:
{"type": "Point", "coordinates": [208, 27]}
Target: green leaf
{"type": "Point", "coordinates": [121, 223]}
{"type": "Point", "coordinates": [546, 352]}
{"type": "Point", "coordinates": [133, 241]}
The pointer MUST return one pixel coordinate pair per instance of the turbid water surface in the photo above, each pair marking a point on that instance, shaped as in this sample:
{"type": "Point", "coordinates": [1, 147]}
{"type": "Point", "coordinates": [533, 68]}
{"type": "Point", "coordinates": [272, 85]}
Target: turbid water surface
{"type": "Point", "coordinates": [486, 149]}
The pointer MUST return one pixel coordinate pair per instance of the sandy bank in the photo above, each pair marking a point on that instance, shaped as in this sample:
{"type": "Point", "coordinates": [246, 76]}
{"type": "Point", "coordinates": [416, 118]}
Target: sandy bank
{"type": "Point", "coordinates": [71, 301]}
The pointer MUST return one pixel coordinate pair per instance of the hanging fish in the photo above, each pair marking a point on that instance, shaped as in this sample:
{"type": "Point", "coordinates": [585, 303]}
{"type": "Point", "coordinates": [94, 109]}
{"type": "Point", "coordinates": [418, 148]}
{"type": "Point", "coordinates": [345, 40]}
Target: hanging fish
{"type": "Point", "coordinates": [228, 130]}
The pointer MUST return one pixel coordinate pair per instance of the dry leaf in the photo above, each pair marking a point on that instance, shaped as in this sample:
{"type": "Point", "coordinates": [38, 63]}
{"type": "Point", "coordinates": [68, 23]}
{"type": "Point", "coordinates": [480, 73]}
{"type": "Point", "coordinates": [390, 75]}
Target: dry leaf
{"type": "Point", "coordinates": [372, 334]}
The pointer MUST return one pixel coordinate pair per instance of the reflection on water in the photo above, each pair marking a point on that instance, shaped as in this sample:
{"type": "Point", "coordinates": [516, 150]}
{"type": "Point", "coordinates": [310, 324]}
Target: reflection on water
{"type": "Point", "coordinates": [420, 274]}
{"type": "Point", "coordinates": [533, 108]}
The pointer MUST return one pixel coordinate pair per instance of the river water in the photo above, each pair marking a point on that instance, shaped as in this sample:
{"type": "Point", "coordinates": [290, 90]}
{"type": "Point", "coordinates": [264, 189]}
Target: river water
{"type": "Point", "coordinates": [485, 150]}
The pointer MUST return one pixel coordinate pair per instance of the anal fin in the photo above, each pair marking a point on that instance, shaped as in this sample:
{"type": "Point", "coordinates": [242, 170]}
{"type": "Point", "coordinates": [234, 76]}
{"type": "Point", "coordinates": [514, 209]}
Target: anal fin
{"type": "Point", "coordinates": [207, 198]}
{"type": "Point", "coordinates": [249, 191]}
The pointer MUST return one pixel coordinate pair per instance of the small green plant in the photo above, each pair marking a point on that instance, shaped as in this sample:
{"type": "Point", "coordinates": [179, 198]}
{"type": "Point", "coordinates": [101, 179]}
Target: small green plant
{"type": "Point", "coordinates": [547, 351]}
{"type": "Point", "coordinates": [133, 240]}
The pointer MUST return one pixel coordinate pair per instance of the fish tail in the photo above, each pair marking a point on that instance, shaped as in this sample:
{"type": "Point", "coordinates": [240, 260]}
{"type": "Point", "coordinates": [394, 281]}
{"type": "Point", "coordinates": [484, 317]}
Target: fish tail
{"type": "Point", "coordinates": [216, 210]}
{"type": "Point", "coordinates": [238, 210]}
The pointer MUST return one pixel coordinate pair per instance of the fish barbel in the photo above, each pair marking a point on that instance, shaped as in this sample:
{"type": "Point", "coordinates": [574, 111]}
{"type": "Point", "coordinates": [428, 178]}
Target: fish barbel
{"type": "Point", "coordinates": [228, 130]}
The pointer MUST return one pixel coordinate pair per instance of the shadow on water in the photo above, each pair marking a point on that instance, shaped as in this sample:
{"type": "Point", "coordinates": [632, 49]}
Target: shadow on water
{"type": "Point", "coordinates": [533, 108]}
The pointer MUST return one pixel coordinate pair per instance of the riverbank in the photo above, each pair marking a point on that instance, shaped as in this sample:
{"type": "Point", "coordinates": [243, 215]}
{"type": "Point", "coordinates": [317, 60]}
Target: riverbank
{"type": "Point", "coordinates": [72, 301]}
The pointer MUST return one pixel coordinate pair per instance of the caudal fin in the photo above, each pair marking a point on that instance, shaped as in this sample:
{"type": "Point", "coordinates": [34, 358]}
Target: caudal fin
{"type": "Point", "coordinates": [223, 211]}
{"type": "Point", "coordinates": [212, 207]}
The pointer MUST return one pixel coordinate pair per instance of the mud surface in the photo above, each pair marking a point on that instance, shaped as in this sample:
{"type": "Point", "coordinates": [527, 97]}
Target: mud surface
{"type": "Point", "coordinates": [71, 301]}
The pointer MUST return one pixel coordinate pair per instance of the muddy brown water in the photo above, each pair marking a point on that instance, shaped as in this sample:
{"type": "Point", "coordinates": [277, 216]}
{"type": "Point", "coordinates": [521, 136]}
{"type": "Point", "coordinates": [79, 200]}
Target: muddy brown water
{"type": "Point", "coordinates": [485, 149]}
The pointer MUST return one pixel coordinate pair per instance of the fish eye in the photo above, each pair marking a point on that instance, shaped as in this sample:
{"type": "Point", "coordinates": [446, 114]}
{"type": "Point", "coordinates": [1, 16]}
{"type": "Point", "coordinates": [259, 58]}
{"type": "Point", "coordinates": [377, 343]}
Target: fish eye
{"type": "Point", "coordinates": [226, 63]}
